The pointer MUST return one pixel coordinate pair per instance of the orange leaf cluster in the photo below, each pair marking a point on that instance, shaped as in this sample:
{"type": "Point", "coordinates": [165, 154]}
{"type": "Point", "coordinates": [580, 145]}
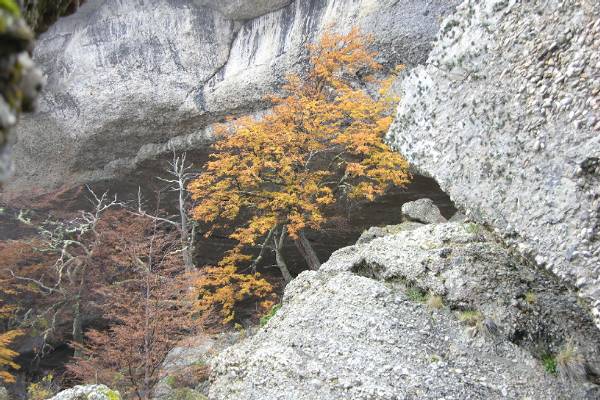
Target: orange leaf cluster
{"type": "Point", "coordinates": [220, 289]}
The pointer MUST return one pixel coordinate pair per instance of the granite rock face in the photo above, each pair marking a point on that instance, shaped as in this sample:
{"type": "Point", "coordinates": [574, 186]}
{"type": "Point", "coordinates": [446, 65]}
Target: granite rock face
{"type": "Point", "coordinates": [244, 9]}
{"type": "Point", "coordinates": [362, 327]}
{"type": "Point", "coordinates": [128, 80]}
{"type": "Point", "coordinates": [505, 115]}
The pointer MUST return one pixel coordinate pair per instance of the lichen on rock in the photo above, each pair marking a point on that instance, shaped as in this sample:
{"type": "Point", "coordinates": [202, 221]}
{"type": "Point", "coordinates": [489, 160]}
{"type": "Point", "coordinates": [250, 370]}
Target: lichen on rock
{"type": "Point", "coordinates": [88, 392]}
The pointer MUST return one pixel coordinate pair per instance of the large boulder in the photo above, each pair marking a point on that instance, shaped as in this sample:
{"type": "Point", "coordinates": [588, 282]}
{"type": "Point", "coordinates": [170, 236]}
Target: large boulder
{"type": "Point", "coordinates": [440, 311]}
{"type": "Point", "coordinates": [505, 115]}
{"type": "Point", "coordinates": [128, 81]}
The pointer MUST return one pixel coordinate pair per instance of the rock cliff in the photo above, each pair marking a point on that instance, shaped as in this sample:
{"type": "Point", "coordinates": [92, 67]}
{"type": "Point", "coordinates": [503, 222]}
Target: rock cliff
{"type": "Point", "coordinates": [506, 116]}
{"type": "Point", "coordinates": [127, 81]}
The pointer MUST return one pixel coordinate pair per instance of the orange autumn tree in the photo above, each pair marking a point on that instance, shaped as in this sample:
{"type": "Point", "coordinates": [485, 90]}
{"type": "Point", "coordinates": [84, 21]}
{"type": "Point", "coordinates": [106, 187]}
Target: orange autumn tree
{"type": "Point", "coordinates": [271, 179]}
{"type": "Point", "coordinates": [7, 355]}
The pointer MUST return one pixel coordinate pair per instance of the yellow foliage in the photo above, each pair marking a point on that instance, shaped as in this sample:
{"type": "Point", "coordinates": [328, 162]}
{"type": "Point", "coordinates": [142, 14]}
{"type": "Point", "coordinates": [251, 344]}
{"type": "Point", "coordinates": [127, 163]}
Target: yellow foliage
{"type": "Point", "coordinates": [220, 289]}
{"type": "Point", "coordinates": [7, 355]}
{"type": "Point", "coordinates": [323, 141]}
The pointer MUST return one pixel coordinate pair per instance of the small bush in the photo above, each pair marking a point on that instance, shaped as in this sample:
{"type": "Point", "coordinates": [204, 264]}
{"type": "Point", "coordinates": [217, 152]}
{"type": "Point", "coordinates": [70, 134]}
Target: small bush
{"type": "Point", "coordinates": [265, 318]}
{"type": "Point", "coordinates": [171, 381]}
{"type": "Point", "coordinates": [186, 394]}
{"type": "Point", "coordinates": [435, 302]}
{"type": "Point", "coordinates": [471, 318]}
{"type": "Point", "coordinates": [473, 228]}
{"type": "Point", "coordinates": [570, 364]}
{"type": "Point", "coordinates": [42, 390]}
{"type": "Point", "coordinates": [530, 298]}
{"type": "Point", "coordinates": [112, 394]}
{"type": "Point", "coordinates": [415, 294]}
{"type": "Point", "coordinates": [549, 363]}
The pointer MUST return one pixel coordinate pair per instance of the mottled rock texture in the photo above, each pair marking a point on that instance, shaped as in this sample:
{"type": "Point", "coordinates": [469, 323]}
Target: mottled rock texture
{"type": "Point", "coordinates": [129, 80]}
{"type": "Point", "coordinates": [506, 116]}
{"type": "Point", "coordinates": [88, 392]}
{"type": "Point", "coordinates": [244, 9]}
{"type": "Point", "coordinates": [422, 210]}
{"type": "Point", "coordinates": [362, 327]}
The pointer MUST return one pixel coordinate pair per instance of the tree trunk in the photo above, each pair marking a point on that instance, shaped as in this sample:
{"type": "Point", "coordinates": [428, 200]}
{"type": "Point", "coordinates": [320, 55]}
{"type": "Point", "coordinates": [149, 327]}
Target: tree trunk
{"type": "Point", "coordinates": [186, 241]}
{"type": "Point", "coordinates": [307, 251]}
{"type": "Point", "coordinates": [77, 328]}
{"type": "Point", "coordinates": [285, 272]}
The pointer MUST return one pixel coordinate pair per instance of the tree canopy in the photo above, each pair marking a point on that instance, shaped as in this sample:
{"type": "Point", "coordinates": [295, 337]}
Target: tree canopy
{"type": "Point", "coordinates": [274, 177]}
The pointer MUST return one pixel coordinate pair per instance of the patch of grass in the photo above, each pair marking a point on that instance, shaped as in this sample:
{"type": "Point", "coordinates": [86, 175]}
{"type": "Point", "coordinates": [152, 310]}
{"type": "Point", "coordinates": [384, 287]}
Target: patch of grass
{"type": "Point", "coordinates": [473, 228]}
{"type": "Point", "coordinates": [549, 363]}
{"type": "Point", "coordinates": [470, 317]}
{"type": "Point", "coordinates": [265, 318]}
{"type": "Point", "coordinates": [434, 358]}
{"type": "Point", "coordinates": [186, 394]}
{"type": "Point", "coordinates": [530, 298]}
{"type": "Point", "coordinates": [112, 394]}
{"type": "Point", "coordinates": [570, 364]}
{"type": "Point", "coordinates": [415, 294]}
{"type": "Point", "coordinates": [435, 302]}
{"type": "Point", "coordinates": [171, 381]}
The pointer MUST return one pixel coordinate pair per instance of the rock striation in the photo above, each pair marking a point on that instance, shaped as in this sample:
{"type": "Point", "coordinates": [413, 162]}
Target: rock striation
{"type": "Point", "coordinates": [505, 115]}
{"type": "Point", "coordinates": [128, 81]}
{"type": "Point", "coordinates": [365, 327]}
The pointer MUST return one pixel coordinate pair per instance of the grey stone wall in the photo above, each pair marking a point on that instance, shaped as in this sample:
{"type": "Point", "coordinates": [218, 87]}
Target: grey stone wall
{"type": "Point", "coordinates": [128, 80]}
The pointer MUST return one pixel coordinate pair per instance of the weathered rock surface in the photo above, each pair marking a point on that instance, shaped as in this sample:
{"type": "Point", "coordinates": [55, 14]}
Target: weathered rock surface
{"type": "Point", "coordinates": [190, 360]}
{"type": "Point", "coordinates": [357, 329]}
{"type": "Point", "coordinates": [127, 80]}
{"type": "Point", "coordinates": [506, 116]}
{"type": "Point", "coordinates": [422, 210]}
{"type": "Point", "coordinates": [244, 9]}
{"type": "Point", "coordinates": [380, 231]}
{"type": "Point", "coordinates": [88, 392]}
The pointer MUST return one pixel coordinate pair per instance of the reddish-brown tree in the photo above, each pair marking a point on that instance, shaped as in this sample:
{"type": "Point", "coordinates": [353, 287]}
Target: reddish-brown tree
{"type": "Point", "coordinates": [147, 313]}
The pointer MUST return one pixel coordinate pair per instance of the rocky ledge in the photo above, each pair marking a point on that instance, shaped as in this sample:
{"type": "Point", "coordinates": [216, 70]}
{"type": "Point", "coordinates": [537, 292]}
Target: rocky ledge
{"type": "Point", "coordinates": [429, 312]}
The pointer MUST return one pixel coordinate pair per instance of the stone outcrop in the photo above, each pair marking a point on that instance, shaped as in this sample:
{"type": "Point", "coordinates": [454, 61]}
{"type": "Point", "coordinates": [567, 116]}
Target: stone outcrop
{"type": "Point", "coordinates": [505, 115]}
{"type": "Point", "coordinates": [422, 210]}
{"type": "Point", "coordinates": [88, 392]}
{"type": "Point", "coordinates": [440, 311]}
{"type": "Point", "coordinates": [128, 81]}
